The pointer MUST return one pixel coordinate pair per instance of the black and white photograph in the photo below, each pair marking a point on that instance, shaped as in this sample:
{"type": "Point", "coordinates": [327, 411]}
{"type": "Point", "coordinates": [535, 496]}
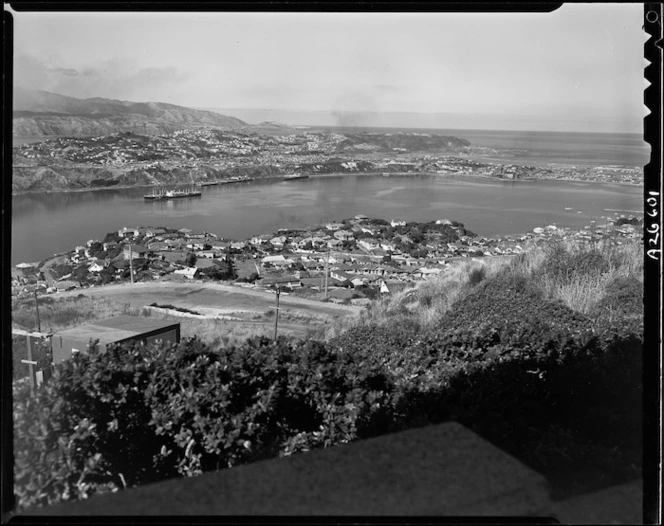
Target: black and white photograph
{"type": "Point", "coordinates": [329, 264]}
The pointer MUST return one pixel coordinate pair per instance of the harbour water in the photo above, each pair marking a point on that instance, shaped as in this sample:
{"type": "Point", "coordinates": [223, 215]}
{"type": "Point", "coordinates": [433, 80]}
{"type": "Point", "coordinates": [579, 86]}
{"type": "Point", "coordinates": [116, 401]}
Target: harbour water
{"type": "Point", "coordinates": [44, 224]}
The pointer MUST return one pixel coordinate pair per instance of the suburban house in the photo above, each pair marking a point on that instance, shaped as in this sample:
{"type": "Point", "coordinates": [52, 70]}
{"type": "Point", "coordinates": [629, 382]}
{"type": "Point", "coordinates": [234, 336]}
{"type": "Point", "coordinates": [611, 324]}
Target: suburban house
{"type": "Point", "coordinates": [314, 283]}
{"type": "Point", "coordinates": [189, 272]}
{"type": "Point", "coordinates": [397, 222]}
{"type": "Point", "coordinates": [368, 243]}
{"type": "Point", "coordinates": [210, 254]}
{"type": "Point", "coordinates": [334, 226]}
{"type": "Point", "coordinates": [278, 241]}
{"type": "Point", "coordinates": [95, 267]}
{"type": "Point", "coordinates": [344, 235]}
{"type": "Point", "coordinates": [260, 240]}
{"type": "Point", "coordinates": [341, 276]}
{"type": "Point", "coordinates": [197, 244]}
{"type": "Point", "coordinates": [124, 232]}
{"type": "Point", "coordinates": [158, 245]}
{"type": "Point", "coordinates": [153, 232]}
{"type": "Point", "coordinates": [358, 282]}
{"type": "Point", "coordinates": [277, 261]}
{"type": "Point", "coordinates": [109, 245]}
{"type": "Point", "coordinates": [136, 251]}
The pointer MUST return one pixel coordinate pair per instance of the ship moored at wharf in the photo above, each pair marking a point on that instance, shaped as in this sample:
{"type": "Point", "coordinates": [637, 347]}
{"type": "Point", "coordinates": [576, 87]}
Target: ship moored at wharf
{"type": "Point", "coordinates": [162, 194]}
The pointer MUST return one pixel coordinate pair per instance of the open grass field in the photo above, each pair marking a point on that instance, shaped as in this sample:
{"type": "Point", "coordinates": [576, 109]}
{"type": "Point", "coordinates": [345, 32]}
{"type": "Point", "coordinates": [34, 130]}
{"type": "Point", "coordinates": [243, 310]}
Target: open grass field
{"type": "Point", "coordinates": [227, 313]}
{"type": "Point", "coordinates": [214, 299]}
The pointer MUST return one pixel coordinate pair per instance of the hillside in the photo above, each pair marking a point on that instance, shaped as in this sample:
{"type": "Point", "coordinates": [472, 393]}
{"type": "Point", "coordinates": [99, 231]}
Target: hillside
{"type": "Point", "coordinates": [541, 356]}
{"type": "Point", "coordinates": [41, 113]}
{"type": "Point", "coordinates": [198, 155]}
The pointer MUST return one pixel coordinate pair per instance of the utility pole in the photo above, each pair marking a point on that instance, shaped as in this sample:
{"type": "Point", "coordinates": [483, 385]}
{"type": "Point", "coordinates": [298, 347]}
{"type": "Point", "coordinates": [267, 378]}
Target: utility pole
{"type": "Point", "coordinates": [37, 309]}
{"type": "Point", "coordinates": [31, 364]}
{"type": "Point", "coordinates": [131, 263]}
{"type": "Point", "coordinates": [327, 269]}
{"type": "Point", "coordinates": [276, 313]}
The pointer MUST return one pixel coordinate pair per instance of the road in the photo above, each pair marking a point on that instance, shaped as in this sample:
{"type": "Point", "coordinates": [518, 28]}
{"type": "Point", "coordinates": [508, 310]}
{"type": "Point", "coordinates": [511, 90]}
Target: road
{"type": "Point", "coordinates": [213, 298]}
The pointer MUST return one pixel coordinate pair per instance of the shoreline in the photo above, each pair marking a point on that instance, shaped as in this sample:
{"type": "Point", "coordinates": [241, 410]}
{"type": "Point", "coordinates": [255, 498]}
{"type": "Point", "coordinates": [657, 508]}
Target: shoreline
{"type": "Point", "coordinates": [336, 174]}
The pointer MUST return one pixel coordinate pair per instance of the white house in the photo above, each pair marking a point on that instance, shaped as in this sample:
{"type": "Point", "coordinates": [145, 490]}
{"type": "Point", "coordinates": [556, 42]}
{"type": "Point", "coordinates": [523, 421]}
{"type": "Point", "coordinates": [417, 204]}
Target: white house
{"type": "Point", "coordinates": [189, 272]}
{"type": "Point", "coordinates": [124, 232]}
{"type": "Point", "coordinates": [397, 222]}
{"type": "Point", "coordinates": [277, 261]}
{"type": "Point", "coordinates": [95, 267]}
{"type": "Point", "coordinates": [278, 241]}
{"type": "Point", "coordinates": [344, 235]}
{"type": "Point", "coordinates": [369, 244]}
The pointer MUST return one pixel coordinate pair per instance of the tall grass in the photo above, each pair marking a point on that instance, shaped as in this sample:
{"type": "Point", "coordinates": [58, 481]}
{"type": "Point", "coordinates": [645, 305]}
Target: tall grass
{"type": "Point", "coordinates": [66, 312]}
{"type": "Point", "coordinates": [576, 273]}
{"type": "Point", "coordinates": [62, 313]}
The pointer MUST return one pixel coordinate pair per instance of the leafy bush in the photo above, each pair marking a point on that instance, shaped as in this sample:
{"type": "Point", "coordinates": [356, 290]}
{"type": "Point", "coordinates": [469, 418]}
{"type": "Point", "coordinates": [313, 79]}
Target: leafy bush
{"type": "Point", "coordinates": [150, 413]}
{"type": "Point", "coordinates": [526, 373]}
{"type": "Point", "coordinates": [512, 303]}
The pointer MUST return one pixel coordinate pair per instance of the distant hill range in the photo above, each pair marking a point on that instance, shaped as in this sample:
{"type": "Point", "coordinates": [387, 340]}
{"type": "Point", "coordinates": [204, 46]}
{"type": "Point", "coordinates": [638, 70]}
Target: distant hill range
{"type": "Point", "coordinates": [41, 113]}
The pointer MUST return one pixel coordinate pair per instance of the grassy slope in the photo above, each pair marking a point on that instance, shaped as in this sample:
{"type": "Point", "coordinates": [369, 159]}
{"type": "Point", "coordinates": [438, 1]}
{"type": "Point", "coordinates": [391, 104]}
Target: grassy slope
{"type": "Point", "coordinates": [578, 275]}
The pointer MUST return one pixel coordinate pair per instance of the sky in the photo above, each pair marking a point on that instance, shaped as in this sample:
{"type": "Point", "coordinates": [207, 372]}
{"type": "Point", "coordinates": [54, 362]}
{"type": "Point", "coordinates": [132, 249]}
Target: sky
{"type": "Point", "coordinates": [579, 68]}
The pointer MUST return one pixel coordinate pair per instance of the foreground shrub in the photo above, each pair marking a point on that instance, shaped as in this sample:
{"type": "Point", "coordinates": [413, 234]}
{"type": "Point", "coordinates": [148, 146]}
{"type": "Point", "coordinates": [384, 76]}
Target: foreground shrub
{"type": "Point", "coordinates": [622, 303]}
{"type": "Point", "coordinates": [131, 414]}
{"type": "Point", "coordinates": [512, 301]}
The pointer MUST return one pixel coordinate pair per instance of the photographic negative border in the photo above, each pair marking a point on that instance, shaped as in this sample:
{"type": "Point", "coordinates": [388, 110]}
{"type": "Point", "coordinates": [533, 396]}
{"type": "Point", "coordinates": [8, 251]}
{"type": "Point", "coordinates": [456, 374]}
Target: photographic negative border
{"type": "Point", "coordinates": [653, 24]}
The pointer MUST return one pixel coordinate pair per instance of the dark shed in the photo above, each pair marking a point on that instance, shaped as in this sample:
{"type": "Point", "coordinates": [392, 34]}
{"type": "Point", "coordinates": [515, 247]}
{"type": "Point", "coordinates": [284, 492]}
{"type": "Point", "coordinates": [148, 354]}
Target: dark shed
{"type": "Point", "coordinates": [110, 331]}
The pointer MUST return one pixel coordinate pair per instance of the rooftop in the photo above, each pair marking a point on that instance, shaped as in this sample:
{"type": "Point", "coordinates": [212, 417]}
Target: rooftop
{"type": "Point", "coordinates": [116, 329]}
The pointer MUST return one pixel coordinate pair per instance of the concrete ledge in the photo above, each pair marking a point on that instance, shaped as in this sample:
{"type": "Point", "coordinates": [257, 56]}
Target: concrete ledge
{"type": "Point", "coordinates": [615, 505]}
{"type": "Point", "coordinates": [436, 470]}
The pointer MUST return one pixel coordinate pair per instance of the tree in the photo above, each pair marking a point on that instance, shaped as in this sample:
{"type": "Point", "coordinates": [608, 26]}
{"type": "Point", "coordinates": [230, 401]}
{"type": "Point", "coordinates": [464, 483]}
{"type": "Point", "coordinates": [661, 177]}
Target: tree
{"type": "Point", "coordinates": [80, 274]}
{"type": "Point", "coordinates": [112, 237]}
{"type": "Point", "coordinates": [191, 259]}
{"type": "Point", "coordinates": [96, 248]}
{"type": "Point", "coordinates": [231, 271]}
{"type": "Point", "coordinates": [107, 275]}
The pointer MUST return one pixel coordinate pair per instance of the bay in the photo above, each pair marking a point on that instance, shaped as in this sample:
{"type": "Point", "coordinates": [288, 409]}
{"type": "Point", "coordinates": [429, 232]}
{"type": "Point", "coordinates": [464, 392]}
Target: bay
{"type": "Point", "coordinates": [44, 224]}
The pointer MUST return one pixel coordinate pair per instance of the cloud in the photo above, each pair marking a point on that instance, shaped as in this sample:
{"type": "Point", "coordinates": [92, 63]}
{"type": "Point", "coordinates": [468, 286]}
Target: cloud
{"type": "Point", "coordinates": [118, 77]}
